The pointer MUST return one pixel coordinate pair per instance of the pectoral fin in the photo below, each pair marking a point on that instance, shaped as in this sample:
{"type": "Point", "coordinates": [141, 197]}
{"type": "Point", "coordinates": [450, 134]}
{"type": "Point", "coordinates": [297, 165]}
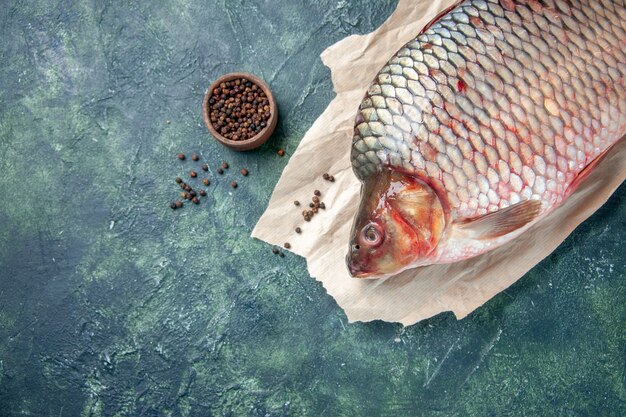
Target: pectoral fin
{"type": "Point", "coordinates": [501, 222]}
{"type": "Point", "coordinates": [582, 175]}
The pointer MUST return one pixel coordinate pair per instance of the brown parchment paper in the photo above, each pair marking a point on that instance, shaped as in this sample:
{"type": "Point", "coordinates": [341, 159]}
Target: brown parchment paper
{"type": "Point", "coordinates": [420, 293]}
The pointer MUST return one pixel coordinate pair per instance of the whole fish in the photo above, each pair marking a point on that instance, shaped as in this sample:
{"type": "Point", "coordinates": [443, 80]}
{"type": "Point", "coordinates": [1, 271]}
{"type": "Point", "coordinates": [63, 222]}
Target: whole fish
{"type": "Point", "coordinates": [483, 124]}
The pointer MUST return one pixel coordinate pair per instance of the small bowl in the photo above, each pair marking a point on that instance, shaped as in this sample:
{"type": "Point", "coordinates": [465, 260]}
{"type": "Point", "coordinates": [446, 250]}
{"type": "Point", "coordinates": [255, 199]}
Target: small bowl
{"type": "Point", "coordinates": [258, 139]}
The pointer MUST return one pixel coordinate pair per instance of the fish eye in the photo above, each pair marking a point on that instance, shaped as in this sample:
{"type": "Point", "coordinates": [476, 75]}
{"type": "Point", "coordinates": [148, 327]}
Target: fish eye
{"type": "Point", "coordinates": [372, 235]}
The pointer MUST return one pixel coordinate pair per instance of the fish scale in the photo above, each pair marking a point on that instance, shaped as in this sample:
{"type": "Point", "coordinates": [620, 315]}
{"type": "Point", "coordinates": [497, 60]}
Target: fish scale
{"type": "Point", "coordinates": [500, 101]}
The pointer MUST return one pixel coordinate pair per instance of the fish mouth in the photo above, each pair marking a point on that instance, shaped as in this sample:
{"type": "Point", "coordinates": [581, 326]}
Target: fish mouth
{"type": "Point", "coordinates": [357, 273]}
{"type": "Point", "coordinates": [358, 270]}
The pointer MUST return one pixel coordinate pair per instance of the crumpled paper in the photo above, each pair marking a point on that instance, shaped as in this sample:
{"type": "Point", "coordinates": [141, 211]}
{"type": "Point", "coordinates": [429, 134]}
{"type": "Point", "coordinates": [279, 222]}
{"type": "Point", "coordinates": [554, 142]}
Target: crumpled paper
{"type": "Point", "coordinates": [420, 293]}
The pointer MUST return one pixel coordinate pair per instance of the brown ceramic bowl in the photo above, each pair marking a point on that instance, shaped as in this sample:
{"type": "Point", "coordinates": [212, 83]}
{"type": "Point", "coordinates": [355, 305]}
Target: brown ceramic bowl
{"type": "Point", "coordinates": [263, 135]}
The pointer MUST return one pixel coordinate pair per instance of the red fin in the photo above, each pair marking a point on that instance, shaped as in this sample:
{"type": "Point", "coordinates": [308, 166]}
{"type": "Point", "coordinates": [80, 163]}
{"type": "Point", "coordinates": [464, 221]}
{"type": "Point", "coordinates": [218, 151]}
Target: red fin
{"type": "Point", "coordinates": [502, 222]}
{"type": "Point", "coordinates": [587, 170]}
{"type": "Point", "coordinates": [440, 15]}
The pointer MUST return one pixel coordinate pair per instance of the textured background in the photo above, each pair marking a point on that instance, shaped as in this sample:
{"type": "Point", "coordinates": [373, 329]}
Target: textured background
{"type": "Point", "coordinates": [113, 304]}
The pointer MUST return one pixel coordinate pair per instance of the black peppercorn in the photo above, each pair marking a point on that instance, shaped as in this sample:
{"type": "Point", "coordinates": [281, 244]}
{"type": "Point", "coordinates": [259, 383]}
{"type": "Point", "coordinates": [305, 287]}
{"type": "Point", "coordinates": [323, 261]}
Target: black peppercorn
{"type": "Point", "coordinates": [238, 109]}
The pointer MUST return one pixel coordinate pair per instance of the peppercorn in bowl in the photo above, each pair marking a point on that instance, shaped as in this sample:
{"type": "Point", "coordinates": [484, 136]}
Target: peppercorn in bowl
{"type": "Point", "coordinates": [240, 111]}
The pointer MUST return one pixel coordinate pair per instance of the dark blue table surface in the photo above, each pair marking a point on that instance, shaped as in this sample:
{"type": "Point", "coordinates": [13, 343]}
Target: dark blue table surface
{"type": "Point", "coordinates": [112, 304]}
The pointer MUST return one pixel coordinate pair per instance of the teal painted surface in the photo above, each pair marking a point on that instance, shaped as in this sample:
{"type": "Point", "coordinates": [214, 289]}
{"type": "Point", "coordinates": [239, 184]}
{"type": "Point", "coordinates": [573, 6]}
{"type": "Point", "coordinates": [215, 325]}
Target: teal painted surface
{"type": "Point", "coordinates": [112, 304]}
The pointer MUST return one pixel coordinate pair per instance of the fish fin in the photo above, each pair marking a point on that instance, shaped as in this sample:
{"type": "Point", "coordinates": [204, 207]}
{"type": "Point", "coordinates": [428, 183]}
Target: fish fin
{"type": "Point", "coordinates": [582, 175]}
{"type": "Point", "coordinates": [502, 222]}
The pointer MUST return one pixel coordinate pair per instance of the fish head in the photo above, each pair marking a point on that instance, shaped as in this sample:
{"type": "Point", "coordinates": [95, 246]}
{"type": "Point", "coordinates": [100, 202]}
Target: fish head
{"type": "Point", "coordinates": [400, 221]}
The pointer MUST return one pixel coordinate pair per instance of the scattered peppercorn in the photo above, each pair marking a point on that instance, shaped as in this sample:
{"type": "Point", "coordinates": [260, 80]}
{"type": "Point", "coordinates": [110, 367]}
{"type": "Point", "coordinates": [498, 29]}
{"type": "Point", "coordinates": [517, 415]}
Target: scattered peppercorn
{"type": "Point", "coordinates": [331, 178]}
{"type": "Point", "coordinates": [178, 180]}
{"type": "Point", "coordinates": [195, 200]}
{"type": "Point", "coordinates": [192, 193]}
{"type": "Point", "coordinates": [206, 181]}
{"type": "Point", "coordinates": [275, 251]}
{"type": "Point", "coordinates": [181, 156]}
{"type": "Point", "coordinates": [298, 230]}
{"type": "Point", "coordinates": [193, 174]}
{"type": "Point", "coordinates": [205, 167]}
{"type": "Point", "coordinates": [173, 206]}
{"type": "Point", "coordinates": [179, 204]}
{"type": "Point", "coordinates": [244, 172]}
{"type": "Point", "coordinates": [239, 109]}
{"type": "Point", "coordinates": [202, 193]}
{"type": "Point", "coordinates": [220, 171]}
{"type": "Point", "coordinates": [315, 205]}
{"type": "Point", "coordinates": [296, 203]}
{"type": "Point", "coordinates": [183, 195]}
{"type": "Point", "coordinates": [187, 188]}
{"type": "Point", "coordinates": [325, 176]}
{"type": "Point", "coordinates": [195, 157]}
{"type": "Point", "coordinates": [287, 245]}
{"type": "Point", "coordinates": [281, 254]}
{"type": "Point", "coordinates": [233, 184]}
{"type": "Point", "coordinates": [225, 165]}
{"type": "Point", "coordinates": [281, 152]}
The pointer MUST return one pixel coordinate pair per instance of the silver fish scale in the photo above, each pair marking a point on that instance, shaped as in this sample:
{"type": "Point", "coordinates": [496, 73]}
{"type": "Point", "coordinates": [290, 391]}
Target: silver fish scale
{"type": "Point", "coordinates": [500, 101]}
